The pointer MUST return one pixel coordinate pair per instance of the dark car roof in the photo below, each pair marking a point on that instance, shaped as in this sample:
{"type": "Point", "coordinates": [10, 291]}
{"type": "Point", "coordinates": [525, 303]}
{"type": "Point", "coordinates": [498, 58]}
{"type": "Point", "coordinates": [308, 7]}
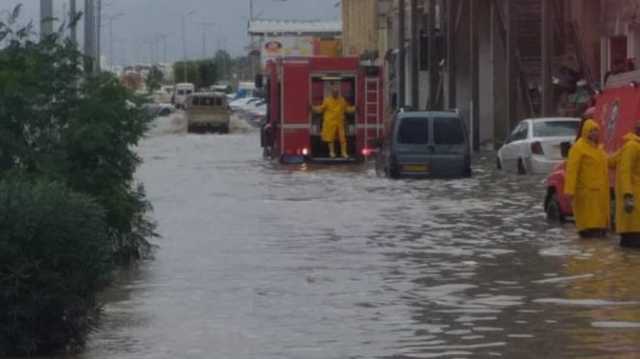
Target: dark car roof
{"type": "Point", "coordinates": [428, 114]}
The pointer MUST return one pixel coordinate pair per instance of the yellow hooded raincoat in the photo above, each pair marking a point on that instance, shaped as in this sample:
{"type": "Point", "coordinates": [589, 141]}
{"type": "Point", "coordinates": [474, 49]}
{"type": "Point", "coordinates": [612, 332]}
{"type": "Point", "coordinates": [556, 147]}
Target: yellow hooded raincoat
{"type": "Point", "coordinates": [334, 110]}
{"type": "Point", "coordinates": [628, 182]}
{"type": "Point", "coordinates": [587, 180]}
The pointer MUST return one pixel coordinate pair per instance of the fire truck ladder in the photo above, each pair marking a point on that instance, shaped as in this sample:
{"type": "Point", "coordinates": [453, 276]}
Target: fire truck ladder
{"type": "Point", "coordinates": [371, 106]}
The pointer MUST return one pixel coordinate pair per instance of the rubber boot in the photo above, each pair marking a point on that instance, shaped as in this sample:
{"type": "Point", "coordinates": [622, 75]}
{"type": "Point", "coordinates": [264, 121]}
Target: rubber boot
{"type": "Point", "coordinates": [343, 150]}
{"type": "Point", "coordinates": [332, 150]}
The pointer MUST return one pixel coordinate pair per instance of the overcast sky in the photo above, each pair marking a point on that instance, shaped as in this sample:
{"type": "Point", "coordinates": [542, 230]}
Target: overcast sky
{"type": "Point", "coordinates": [144, 20]}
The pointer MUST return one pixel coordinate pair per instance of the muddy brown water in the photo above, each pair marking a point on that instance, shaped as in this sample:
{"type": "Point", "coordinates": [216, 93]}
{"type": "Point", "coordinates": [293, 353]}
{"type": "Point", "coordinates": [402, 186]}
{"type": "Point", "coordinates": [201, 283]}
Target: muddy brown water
{"type": "Point", "coordinates": [262, 261]}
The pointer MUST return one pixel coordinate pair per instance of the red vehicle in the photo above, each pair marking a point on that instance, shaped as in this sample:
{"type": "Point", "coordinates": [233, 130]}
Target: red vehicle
{"type": "Point", "coordinates": [291, 133]}
{"type": "Point", "coordinates": [617, 110]}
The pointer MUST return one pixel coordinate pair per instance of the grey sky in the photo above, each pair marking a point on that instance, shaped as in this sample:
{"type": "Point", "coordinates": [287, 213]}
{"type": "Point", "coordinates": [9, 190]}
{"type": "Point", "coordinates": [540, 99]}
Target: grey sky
{"type": "Point", "coordinates": [146, 19]}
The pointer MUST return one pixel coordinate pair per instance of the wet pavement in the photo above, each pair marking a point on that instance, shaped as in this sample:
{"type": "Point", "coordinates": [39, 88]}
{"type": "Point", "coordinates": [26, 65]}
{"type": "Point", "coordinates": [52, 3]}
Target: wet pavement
{"type": "Point", "coordinates": [262, 261]}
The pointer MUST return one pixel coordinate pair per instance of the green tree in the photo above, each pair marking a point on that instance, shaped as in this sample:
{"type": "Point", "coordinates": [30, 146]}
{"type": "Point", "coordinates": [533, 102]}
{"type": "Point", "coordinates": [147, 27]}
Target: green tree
{"type": "Point", "coordinates": [154, 79]}
{"type": "Point", "coordinates": [191, 72]}
{"type": "Point", "coordinates": [208, 73]}
{"type": "Point", "coordinates": [224, 63]}
{"type": "Point", "coordinates": [202, 73]}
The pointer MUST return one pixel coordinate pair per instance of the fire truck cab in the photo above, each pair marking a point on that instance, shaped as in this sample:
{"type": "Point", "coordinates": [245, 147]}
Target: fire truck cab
{"type": "Point", "coordinates": [291, 133]}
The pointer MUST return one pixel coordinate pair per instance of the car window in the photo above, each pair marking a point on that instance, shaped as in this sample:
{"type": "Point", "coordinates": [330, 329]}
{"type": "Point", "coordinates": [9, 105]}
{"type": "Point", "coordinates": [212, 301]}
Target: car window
{"type": "Point", "coordinates": [413, 131]}
{"type": "Point", "coordinates": [181, 92]}
{"type": "Point", "coordinates": [448, 131]}
{"type": "Point", "coordinates": [555, 128]}
{"type": "Point", "coordinates": [520, 133]}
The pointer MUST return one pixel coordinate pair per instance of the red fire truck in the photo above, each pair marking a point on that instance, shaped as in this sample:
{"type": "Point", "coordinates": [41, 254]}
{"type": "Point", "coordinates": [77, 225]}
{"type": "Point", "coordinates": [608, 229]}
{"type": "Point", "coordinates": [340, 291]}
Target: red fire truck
{"type": "Point", "coordinates": [291, 133]}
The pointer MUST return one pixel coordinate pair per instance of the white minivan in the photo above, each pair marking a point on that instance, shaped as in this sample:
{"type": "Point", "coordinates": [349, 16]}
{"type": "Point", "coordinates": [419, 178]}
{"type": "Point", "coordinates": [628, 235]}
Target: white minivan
{"type": "Point", "coordinates": [182, 92]}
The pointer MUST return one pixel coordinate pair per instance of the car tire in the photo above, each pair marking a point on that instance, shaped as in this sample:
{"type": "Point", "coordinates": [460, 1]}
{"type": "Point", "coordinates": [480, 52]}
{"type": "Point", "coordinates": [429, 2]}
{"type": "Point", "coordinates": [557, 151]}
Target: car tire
{"type": "Point", "coordinates": [552, 209]}
{"type": "Point", "coordinates": [468, 172]}
{"type": "Point", "coordinates": [392, 173]}
{"type": "Point", "coordinates": [498, 163]}
{"type": "Point", "coordinates": [522, 170]}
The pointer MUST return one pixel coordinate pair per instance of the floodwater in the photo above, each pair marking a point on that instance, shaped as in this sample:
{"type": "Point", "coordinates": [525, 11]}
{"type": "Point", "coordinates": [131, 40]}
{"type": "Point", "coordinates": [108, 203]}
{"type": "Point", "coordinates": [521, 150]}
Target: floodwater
{"type": "Point", "coordinates": [262, 261]}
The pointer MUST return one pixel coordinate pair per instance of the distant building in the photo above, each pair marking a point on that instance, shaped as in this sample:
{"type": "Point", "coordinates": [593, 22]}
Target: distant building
{"type": "Point", "coordinates": [276, 38]}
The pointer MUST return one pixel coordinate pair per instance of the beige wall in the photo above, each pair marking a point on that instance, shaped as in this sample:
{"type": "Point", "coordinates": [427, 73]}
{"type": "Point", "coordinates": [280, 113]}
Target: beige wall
{"type": "Point", "coordinates": [360, 26]}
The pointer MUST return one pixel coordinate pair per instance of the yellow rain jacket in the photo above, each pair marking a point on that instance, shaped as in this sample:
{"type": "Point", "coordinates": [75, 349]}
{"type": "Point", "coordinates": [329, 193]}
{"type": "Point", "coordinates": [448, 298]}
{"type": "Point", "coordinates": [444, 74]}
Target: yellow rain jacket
{"type": "Point", "coordinates": [587, 180]}
{"type": "Point", "coordinates": [628, 182]}
{"type": "Point", "coordinates": [334, 110]}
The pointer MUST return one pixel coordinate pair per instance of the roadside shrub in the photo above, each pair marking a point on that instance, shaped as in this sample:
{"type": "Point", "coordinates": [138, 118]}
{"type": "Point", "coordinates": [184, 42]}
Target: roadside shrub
{"type": "Point", "coordinates": [54, 256]}
{"type": "Point", "coordinates": [59, 123]}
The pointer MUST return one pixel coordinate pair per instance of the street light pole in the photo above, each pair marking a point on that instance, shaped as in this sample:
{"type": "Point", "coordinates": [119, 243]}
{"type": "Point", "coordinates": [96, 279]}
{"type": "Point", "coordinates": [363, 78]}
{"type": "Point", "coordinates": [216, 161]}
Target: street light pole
{"type": "Point", "coordinates": [205, 25]}
{"type": "Point", "coordinates": [163, 37]}
{"type": "Point", "coordinates": [184, 42]}
{"type": "Point", "coordinates": [111, 19]}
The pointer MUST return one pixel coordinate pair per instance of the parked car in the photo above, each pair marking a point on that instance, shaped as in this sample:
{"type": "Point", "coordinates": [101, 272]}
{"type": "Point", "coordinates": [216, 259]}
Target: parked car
{"type": "Point", "coordinates": [535, 145]}
{"type": "Point", "coordinates": [160, 110]}
{"type": "Point", "coordinates": [208, 112]}
{"type": "Point", "coordinates": [240, 103]}
{"type": "Point", "coordinates": [423, 145]}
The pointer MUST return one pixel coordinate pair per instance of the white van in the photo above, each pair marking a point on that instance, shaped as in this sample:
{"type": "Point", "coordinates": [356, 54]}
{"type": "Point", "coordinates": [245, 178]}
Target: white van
{"type": "Point", "coordinates": [182, 92]}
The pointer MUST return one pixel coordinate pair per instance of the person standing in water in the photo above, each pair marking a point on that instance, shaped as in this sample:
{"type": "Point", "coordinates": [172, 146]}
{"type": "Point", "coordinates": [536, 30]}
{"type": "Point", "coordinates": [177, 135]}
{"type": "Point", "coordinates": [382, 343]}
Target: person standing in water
{"type": "Point", "coordinates": [628, 190]}
{"type": "Point", "coordinates": [587, 183]}
{"type": "Point", "coordinates": [334, 109]}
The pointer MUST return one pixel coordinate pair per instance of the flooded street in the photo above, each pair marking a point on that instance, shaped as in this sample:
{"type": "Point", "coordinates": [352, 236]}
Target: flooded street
{"type": "Point", "coordinates": [270, 262]}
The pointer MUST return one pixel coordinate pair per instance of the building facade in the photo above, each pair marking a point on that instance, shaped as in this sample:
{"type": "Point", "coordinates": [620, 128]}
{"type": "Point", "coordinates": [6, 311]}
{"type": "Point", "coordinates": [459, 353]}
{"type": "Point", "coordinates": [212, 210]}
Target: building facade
{"type": "Point", "coordinates": [498, 61]}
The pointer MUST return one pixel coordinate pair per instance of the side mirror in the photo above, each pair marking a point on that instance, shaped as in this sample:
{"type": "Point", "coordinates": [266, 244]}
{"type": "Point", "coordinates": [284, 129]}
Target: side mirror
{"type": "Point", "coordinates": [565, 147]}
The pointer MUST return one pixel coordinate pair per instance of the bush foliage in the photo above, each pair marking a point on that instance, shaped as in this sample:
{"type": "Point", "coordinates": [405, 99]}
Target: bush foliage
{"type": "Point", "coordinates": [70, 205]}
{"type": "Point", "coordinates": [54, 256]}
{"type": "Point", "coordinates": [56, 122]}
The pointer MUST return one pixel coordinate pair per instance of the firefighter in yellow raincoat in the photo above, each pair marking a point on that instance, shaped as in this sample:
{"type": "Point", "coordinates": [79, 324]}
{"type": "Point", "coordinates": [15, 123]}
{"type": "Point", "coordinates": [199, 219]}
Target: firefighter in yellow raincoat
{"type": "Point", "coordinates": [628, 190]}
{"type": "Point", "coordinates": [334, 109]}
{"type": "Point", "coordinates": [587, 183]}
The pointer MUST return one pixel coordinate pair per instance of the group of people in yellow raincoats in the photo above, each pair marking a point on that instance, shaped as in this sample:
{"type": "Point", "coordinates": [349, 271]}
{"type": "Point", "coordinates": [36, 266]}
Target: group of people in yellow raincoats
{"type": "Point", "coordinates": [587, 185]}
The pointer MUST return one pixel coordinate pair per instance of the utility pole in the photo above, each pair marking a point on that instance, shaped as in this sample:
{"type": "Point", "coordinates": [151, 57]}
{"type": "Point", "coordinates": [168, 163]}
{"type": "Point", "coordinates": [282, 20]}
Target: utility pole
{"type": "Point", "coordinates": [475, 73]}
{"type": "Point", "coordinates": [46, 18]}
{"type": "Point", "coordinates": [511, 76]}
{"type": "Point", "coordinates": [74, 26]}
{"type": "Point", "coordinates": [163, 37]}
{"type": "Point", "coordinates": [451, 10]}
{"type": "Point", "coordinates": [431, 49]}
{"type": "Point", "coordinates": [89, 36]}
{"type": "Point", "coordinates": [99, 36]}
{"type": "Point", "coordinates": [415, 63]}
{"type": "Point", "coordinates": [402, 76]}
